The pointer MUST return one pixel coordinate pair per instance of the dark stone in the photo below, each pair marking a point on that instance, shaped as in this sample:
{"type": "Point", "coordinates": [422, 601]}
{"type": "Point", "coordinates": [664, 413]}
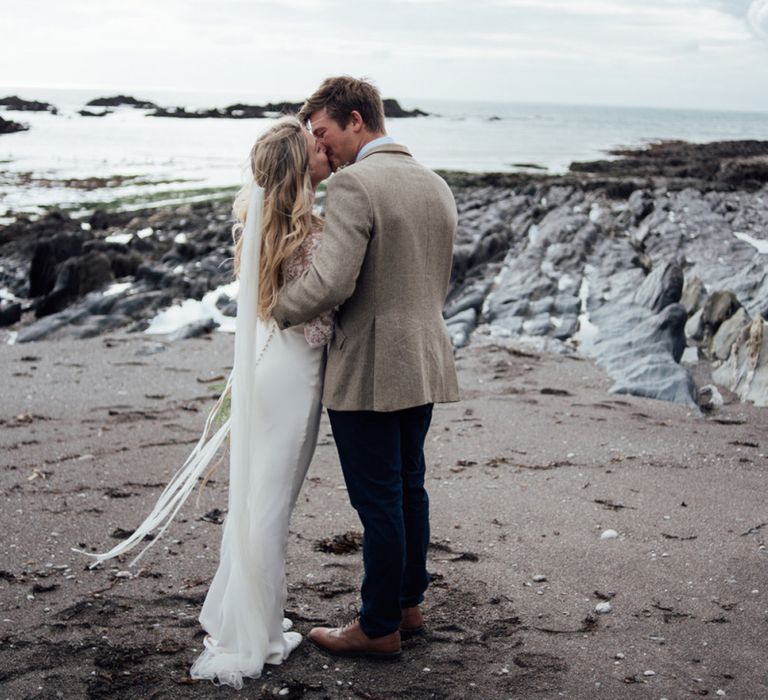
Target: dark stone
{"type": "Point", "coordinates": [154, 274]}
{"type": "Point", "coordinates": [46, 257]}
{"type": "Point", "coordinates": [393, 110]}
{"type": "Point", "coordinates": [88, 113]}
{"type": "Point", "coordinates": [125, 264]}
{"type": "Point", "coordinates": [103, 219]}
{"type": "Point", "coordinates": [120, 101]}
{"type": "Point", "coordinates": [230, 309]}
{"type": "Point", "coordinates": [8, 126]}
{"type": "Point", "coordinates": [16, 104]}
{"type": "Point", "coordinates": [76, 277]}
{"type": "Point", "coordinates": [10, 312]}
{"type": "Point", "coordinates": [223, 301]}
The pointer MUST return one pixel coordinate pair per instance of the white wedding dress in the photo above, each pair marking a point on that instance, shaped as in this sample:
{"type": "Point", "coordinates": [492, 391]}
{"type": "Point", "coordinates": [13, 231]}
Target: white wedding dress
{"type": "Point", "coordinates": [243, 611]}
{"type": "Point", "coordinates": [276, 387]}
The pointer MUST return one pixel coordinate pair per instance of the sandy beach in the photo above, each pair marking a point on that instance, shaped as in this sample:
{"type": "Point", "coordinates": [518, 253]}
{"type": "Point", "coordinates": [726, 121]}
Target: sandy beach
{"type": "Point", "coordinates": [525, 474]}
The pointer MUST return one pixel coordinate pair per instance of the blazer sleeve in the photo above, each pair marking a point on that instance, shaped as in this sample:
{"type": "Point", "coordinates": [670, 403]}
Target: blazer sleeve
{"type": "Point", "coordinates": [331, 278]}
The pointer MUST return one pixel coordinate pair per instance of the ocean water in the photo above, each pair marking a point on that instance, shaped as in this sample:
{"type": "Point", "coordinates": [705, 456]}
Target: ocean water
{"type": "Point", "coordinates": [140, 159]}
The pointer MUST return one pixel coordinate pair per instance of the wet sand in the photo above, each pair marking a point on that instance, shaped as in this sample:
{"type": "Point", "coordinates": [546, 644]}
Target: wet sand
{"type": "Point", "coordinates": [525, 473]}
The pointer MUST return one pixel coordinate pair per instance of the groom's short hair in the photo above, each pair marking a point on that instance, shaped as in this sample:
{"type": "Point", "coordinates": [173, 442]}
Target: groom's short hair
{"type": "Point", "coordinates": [342, 95]}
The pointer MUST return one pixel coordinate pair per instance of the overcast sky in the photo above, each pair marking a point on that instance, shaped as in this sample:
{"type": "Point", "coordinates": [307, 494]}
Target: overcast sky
{"type": "Point", "coordinates": [678, 53]}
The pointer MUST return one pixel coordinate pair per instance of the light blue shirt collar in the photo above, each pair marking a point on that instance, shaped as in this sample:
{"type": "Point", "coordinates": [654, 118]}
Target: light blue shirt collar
{"type": "Point", "coordinates": [373, 144]}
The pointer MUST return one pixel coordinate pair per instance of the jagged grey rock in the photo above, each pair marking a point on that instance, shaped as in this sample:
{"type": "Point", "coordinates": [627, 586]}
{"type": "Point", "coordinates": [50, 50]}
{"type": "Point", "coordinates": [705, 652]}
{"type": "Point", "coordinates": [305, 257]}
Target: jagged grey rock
{"type": "Point", "coordinates": [694, 294]}
{"type": "Point", "coordinates": [641, 351]}
{"type": "Point", "coordinates": [746, 370]}
{"type": "Point", "coordinates": [662, 287]}
{"type": "Point", "coordinates": [730, 329]}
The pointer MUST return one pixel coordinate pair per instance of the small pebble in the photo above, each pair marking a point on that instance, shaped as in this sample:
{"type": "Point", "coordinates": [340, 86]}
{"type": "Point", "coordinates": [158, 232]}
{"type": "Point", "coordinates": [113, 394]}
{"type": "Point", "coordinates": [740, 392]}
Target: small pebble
{"type": "Point", "coordinates": [539, 578]}
{"type": "Point", "coordinates": [284, 691]}
{"type": "Point", "coordinates": [618, 655]}
{"type": "Point", "coordinates": [426, 669]}
{"type": "Point", "coordinates": [609, 535]}
{"type": "Point", "coordinates": [649, 673]}
{"type": "Point", "coordinates": [721, 693]}
{"type": "Point", "coordinates": [604, 607]}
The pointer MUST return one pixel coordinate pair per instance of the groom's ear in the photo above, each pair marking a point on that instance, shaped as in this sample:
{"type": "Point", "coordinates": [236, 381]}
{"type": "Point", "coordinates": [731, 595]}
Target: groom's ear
{"type": "Point", "coordinates": [356, 122]}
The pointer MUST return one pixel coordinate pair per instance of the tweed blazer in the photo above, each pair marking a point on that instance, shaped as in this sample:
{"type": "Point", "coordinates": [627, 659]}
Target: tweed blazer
{"type": "Point", "coordinates": [385, 262]}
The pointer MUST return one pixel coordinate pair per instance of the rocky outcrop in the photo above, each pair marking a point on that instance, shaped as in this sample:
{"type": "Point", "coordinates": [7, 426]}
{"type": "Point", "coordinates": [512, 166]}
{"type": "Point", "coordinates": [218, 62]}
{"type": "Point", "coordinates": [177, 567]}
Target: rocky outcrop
{"type": "Point", "coordinates": [8, 126]}
{"type": "Point", "coordinates": [238, 111]}
{"type": "Point", "coordinates": [10, 312]}
{"type": "Point", "coordinates": [89, 113]}
{"type": "Point", "coordinates": [732, 164]}
{"type": "Point", "coordinates": [392, 110]}
{"type": "Point", "coordinates": [16, 104]}
{"type": "Point", "coordinates": [121, 101]}
{"type": "Point", "coordinates": [70, 270]}
{"type": "Point", "coordinates": [591, 263]}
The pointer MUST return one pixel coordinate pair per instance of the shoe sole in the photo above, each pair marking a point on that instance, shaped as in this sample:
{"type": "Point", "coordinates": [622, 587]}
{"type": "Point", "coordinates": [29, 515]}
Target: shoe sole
{"type": "Point", "coordinates": [378, 655]}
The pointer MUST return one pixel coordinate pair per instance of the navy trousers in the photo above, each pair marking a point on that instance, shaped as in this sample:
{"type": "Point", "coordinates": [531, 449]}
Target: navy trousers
{"type": "Point", "coordinates": [382, 457]}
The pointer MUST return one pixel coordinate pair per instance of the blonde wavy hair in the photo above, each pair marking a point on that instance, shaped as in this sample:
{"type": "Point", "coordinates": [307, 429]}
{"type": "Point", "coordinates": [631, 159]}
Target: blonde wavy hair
{"type": "Point", "coordinates": [280, 164]}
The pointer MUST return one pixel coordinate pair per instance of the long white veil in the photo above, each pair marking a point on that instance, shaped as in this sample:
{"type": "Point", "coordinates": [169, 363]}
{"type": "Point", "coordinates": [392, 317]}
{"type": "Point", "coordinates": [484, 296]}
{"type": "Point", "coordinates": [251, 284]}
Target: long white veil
{"type": "Point", "coordinates": [239, 387]}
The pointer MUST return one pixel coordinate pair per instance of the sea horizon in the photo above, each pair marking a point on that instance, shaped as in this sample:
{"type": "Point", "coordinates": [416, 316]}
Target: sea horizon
{"type": "Point", "coordinates": [406, 101]}
{"type": "Point", "coordinates": [128, 160]}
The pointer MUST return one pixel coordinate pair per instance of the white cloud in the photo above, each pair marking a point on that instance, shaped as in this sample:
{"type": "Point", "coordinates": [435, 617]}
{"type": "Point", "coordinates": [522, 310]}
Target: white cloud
{"type": "Point", "coordinates": [757, 16]}
{"type": "Point", "coordinates": [658, 52]}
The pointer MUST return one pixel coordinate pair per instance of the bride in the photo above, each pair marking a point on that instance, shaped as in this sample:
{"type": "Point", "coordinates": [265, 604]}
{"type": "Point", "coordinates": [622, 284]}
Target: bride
{"type": "Point", "coordinates": [275, 389]}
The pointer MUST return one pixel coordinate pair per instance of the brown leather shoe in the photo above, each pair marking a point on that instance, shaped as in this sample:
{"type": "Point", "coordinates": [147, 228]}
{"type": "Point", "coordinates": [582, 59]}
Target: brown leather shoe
{"type": "Point", "coordinates": [350, 640]}
{"type": "Point", "coordinates": [411, 622]}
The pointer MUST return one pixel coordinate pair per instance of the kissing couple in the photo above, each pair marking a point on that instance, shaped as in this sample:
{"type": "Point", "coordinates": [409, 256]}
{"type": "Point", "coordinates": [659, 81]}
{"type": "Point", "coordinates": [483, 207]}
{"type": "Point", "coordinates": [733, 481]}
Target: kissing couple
{"type": "Point", "coordinates": [344, 312]}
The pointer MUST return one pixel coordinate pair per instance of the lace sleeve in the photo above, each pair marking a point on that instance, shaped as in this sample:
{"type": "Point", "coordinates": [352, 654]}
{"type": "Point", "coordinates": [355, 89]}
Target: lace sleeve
{"type": "Point", "coordinates": [318, 331]}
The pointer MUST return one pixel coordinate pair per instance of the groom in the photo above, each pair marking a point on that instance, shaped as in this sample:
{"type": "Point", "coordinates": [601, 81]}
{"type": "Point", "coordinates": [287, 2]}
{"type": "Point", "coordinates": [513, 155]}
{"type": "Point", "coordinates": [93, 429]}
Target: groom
{"type": "Point", "coordinates": [385, 261]}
